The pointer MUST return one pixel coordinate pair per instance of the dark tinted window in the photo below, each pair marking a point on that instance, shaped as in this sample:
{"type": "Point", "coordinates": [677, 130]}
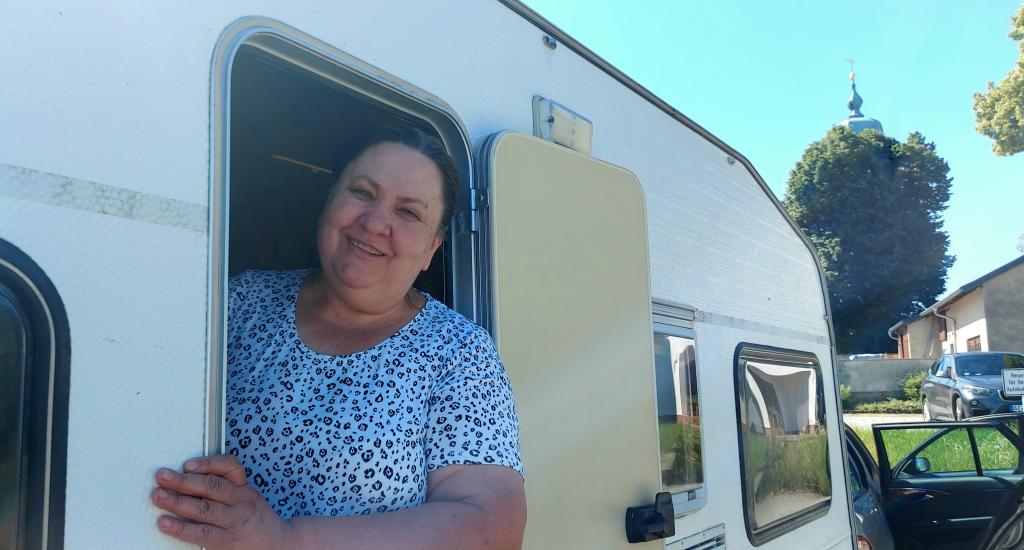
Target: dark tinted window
{"type": "Point", "coordinates": [856, 477]}
{"type": "Point", "coordinates": [987, 364]}
{"type": "Point", "coordinates": [783, 439]}
{"type": "Point", "coordinates": [35, 361]}
{"type": "Point", "coordinates": [13, 363]}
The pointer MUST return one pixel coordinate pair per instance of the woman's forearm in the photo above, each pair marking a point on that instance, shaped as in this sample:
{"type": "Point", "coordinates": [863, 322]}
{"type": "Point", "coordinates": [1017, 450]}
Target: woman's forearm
{"type": "Point", "coordinates": [472, 507]}
{"type": "Point", "coordinates": [434, 525]}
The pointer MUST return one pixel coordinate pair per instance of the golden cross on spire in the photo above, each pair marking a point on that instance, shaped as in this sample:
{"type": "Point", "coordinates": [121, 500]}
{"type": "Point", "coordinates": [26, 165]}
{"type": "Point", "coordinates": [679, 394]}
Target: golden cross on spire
{"type": "Point", "coordinates": [853, 75]}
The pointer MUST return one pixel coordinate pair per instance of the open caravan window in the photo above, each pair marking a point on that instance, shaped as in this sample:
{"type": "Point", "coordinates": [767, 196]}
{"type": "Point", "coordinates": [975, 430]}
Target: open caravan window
{"type": "Point", "coordinates": [678, 398]}
{"type": "Point", "coordinates": [285, 107]}
{"type": "Point", "coordinates": [780, 410]}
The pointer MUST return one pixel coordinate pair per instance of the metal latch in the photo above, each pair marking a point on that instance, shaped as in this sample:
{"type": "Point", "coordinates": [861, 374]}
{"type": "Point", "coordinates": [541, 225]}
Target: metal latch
{"type": "Point", "coordinates": [653, 521]}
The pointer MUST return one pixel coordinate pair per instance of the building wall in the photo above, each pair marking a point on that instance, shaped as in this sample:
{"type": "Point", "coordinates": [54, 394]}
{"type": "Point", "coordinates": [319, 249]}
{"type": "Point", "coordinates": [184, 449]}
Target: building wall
{"type": "Point", "coordinates": [969, 312]}
{"type": "Point", "coordinates": [924, 338]}
{"type": "Point", "coordinates": [1004, 310]}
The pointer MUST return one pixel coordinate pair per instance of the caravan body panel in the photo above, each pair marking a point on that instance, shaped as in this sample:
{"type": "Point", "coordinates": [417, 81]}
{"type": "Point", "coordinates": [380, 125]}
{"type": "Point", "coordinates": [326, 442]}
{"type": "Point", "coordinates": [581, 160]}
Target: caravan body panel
{"type": "Point", "coordinates": [119, 96]}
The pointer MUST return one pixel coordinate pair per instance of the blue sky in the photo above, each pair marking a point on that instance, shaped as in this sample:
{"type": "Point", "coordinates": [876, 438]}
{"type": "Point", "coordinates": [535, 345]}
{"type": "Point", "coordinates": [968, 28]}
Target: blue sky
{"type": "Point", "coordinates": [770, 77]}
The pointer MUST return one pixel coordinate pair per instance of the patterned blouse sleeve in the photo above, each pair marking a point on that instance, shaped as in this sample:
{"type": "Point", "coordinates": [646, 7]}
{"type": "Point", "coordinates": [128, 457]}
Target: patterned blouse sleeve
{"type": "Point", "coordinates": [239, 288]}
{"type": "Point", "coordinates": [472, 417]}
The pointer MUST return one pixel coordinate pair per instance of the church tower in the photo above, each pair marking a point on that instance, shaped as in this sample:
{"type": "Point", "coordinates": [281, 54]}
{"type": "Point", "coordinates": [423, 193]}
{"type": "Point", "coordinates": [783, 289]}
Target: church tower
{"type": "Point", "coordinates": [857, 121]}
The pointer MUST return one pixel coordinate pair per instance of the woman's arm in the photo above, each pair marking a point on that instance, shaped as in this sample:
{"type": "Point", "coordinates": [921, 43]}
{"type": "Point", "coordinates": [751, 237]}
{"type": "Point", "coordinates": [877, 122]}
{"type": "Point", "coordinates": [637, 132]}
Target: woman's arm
{"type": "Point", "coordinates": [468, 506]}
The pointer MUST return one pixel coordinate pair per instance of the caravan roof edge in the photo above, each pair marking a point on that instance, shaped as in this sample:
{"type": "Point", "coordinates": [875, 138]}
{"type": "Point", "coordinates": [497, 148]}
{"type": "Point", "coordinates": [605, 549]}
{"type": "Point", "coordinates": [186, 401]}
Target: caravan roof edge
{"type": "Point", "coordinates": [586, 53]}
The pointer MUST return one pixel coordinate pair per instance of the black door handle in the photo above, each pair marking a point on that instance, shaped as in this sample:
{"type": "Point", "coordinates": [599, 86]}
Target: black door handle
{"type": "Point", "coordinates": [653, 521]}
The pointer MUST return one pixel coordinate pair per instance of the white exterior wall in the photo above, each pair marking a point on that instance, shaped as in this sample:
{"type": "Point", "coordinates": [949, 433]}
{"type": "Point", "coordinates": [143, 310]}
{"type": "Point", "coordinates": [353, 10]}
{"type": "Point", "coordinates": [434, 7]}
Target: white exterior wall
{"type": "Point", "coordinates": [1004, 311]}
{"type": "Point", "coordinates": [924, 338]}
{"type": "Point", "coordinates": [120, 95]}
{"type": "Point", "coordinates": [969, 312]}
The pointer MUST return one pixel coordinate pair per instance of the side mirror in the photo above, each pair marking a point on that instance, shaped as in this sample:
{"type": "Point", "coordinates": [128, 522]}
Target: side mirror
{"type": "Point", "coordinates": [943, 373]}
{"type": "Point", "coordinates": [920, 465]}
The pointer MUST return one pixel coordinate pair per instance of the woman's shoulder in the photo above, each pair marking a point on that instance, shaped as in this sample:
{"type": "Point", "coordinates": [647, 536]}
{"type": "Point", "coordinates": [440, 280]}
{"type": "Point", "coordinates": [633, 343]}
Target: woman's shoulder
{"type": "Point", "coordinates": [265, 280]}
{"type": "Point", "coordinates": [452, 326]}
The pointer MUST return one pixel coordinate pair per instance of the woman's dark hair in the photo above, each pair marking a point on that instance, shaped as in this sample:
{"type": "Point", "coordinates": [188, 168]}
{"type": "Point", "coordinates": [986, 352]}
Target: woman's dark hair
{"type": "Point", "coordinates": [426, 144]}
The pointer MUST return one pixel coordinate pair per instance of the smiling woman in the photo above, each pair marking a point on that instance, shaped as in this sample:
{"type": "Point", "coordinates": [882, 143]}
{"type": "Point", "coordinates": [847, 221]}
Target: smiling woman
{"type": "Point", "coordinates": [350, 393]}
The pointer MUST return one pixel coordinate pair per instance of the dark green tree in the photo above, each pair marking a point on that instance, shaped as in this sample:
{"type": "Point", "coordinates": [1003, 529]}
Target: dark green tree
{"type": "Point", "coordinates": [1000, 110]}
{"type": "Point", "coordinates": [872, 207]}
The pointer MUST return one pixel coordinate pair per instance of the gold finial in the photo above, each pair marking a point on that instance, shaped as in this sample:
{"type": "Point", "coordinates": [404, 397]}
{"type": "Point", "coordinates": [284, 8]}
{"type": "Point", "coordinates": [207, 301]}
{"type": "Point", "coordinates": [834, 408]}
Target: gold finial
{"type": "Point", "coordinates": [853, 75]}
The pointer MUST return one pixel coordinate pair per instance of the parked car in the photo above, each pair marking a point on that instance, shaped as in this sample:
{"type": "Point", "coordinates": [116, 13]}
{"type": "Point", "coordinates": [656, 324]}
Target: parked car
{"type": "Point", "coordinates": [870, 527]}
{"type": "Point", "coordinates": [962, 385]}
{"type": "Point", "coordinates": [940, 484]}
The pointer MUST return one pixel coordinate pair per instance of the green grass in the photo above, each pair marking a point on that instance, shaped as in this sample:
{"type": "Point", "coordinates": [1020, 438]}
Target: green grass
{"type": "Point", "coordinates": [682, 441]}
{"type": "Point", "coordinates": [788, 463]}
{"type": "Point", "coordinates": [951, 452]}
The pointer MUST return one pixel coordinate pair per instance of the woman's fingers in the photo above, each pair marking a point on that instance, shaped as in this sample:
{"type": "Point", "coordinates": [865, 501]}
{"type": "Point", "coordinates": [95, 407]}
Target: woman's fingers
{"type": "Point", "coordinates": [201, 534]}
{"type": "Point", "coordinates": [225, 466]}
{"type": "Point", "coordinates": [210, 486]}
{"type": "Point", "coordinates": [202, 510]}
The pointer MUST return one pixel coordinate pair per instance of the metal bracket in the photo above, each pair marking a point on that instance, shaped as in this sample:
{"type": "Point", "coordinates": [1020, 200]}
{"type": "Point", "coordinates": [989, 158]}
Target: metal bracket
{"type": "Point", "coordinates": [468, 221]}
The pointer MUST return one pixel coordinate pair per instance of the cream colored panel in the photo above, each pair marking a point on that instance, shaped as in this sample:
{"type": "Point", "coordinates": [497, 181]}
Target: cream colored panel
{"type": "Point", "coordinates": [572, 320]}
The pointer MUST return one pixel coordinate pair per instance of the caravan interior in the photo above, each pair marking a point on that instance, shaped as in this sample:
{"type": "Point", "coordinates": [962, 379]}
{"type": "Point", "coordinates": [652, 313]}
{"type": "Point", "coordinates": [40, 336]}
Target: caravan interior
{"type": "Point", "coordinates": [288, 127]}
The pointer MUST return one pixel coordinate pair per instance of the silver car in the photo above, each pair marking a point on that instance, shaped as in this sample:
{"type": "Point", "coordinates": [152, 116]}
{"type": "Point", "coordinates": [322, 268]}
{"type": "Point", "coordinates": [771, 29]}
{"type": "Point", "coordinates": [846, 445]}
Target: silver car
{"type": "Point", "coordinates": [871, 528]}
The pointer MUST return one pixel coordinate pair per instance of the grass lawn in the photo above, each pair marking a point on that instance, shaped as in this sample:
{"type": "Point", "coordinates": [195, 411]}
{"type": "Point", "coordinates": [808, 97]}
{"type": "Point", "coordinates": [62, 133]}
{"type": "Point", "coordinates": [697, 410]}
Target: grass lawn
{"type": "Point", "coordinates": [951, 452]}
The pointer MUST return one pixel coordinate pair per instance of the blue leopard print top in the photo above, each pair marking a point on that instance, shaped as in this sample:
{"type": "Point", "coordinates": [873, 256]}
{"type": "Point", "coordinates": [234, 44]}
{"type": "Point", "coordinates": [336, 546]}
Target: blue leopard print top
{"type": "Point", "coordinates": [326, 435]}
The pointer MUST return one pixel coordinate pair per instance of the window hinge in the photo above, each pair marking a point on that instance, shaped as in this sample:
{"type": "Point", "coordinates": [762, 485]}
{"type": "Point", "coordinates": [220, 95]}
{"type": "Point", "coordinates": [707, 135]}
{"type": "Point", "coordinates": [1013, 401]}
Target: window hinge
{"type": "Point", "coordinates": [468, 221]}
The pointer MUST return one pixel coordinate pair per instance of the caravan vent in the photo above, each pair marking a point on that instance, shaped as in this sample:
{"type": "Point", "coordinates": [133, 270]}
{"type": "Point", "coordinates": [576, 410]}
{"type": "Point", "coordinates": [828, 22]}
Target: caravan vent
{"type": "Point", "coordinates": [705, 540]}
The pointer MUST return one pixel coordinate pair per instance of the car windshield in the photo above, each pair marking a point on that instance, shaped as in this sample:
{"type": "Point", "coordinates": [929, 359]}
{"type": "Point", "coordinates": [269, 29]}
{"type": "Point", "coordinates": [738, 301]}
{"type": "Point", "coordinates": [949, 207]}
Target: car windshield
{"type": "Point", "coordinates": [988, 365]}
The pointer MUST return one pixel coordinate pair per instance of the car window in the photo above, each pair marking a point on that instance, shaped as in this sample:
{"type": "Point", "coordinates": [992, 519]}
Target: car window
{"type": "Point", "coordinates": [998, 454]}
{"type": "Point", "coordinates": [948, 454]}
{"type": "Point", "coordinates": [857, 481]}
{"type": "Point", "coordinates": [987, 365]}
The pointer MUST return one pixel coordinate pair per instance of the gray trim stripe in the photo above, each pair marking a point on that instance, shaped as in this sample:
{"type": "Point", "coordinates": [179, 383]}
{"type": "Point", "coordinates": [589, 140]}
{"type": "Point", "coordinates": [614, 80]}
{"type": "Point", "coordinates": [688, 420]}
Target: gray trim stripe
{"type": "Point", "coordinates": [763, 328]}
{"type": "Point", "coordinates": [42, 187]}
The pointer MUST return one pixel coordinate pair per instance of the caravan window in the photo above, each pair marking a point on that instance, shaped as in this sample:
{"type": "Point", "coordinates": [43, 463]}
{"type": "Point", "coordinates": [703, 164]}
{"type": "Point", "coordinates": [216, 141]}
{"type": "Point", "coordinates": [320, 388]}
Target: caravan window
{"type": "Point", "coordinates": [679, 418]}
{"type": "Point", "coordinates": [285, 107]}
{"type": "Point", "coordinates": [13, 369]}
{"type": "Point", "coordinates": [34, 369]}
{"type": "Point", "coordinates": [782, 438]}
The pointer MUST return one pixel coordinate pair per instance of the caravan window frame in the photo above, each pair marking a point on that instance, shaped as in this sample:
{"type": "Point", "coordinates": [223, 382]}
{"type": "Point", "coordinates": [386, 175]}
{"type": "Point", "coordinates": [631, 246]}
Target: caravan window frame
{"type": "Point", "coordinates": [307, 53]}
{"type": "Point", "coordinates": [43, 398]}
{"type": "Point", "coordinates": [745, 352]}
{"type": "Point", "coordinates": [677, 321]}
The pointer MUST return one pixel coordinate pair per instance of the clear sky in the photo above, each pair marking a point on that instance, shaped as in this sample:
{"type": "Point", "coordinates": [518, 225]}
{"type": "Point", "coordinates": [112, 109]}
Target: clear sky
{"type": "Point", "coordinates": [769, 78]}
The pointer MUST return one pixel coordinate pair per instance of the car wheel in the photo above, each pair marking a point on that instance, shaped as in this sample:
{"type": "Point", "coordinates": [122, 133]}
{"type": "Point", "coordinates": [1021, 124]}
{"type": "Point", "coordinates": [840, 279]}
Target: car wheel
{"type": "Point", "coordinates": [959, 411]}
{"type": "Point", "coordinates": [925, 412]}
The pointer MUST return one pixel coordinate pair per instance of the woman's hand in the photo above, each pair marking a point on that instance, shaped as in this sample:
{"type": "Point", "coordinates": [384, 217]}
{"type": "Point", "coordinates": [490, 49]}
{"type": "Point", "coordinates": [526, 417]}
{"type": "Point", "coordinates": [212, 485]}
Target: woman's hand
{"type": "Point", "coordinates": [216, 507]}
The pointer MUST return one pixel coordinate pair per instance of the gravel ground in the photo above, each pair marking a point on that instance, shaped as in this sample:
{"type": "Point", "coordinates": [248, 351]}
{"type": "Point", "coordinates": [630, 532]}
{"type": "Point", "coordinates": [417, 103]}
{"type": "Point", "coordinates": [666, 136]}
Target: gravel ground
{"type": "Point", "coordinates": [867, 420]}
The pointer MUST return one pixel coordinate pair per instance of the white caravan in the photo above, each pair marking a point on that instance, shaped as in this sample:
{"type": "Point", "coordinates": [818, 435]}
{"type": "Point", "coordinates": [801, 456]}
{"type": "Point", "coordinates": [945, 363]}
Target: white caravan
{"type": "Point", "coordinates": [148, 151]}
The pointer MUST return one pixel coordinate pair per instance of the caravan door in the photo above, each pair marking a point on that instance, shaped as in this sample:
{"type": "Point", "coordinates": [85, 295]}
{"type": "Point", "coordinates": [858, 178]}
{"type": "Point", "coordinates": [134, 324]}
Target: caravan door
{"type": "Point", "coordinates": [571, 315]}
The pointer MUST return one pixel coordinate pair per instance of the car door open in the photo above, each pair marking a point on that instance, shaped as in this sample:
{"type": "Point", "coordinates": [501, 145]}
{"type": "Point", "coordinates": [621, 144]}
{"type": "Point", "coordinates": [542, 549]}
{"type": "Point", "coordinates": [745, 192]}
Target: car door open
{"type": "Point", "coordinates": [942, 483]}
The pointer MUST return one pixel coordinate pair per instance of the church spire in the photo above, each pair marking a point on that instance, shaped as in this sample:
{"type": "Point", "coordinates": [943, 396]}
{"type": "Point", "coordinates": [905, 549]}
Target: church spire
{"type": "Point", "coordinates": [857, 121]}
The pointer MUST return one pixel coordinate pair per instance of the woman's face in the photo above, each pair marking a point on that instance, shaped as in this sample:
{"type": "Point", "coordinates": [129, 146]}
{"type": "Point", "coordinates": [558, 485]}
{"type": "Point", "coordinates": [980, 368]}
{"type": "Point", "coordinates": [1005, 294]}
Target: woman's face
{"type": "Point", "coordinates": [380, 227]}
